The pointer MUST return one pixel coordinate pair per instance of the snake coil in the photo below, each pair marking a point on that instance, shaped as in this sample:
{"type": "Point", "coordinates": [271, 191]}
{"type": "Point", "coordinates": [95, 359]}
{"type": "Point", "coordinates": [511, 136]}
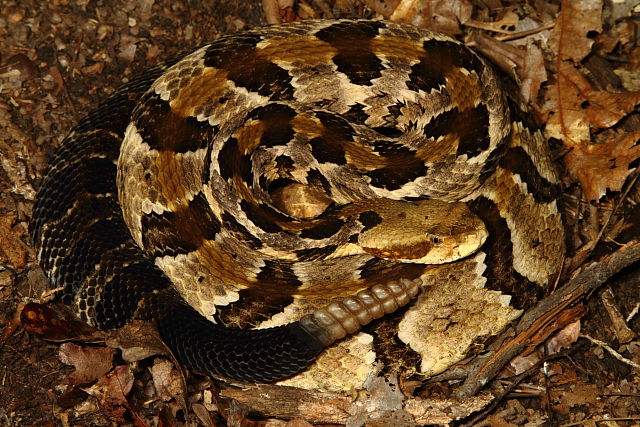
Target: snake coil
{"type": "Point", "coordinates": [313, 169]}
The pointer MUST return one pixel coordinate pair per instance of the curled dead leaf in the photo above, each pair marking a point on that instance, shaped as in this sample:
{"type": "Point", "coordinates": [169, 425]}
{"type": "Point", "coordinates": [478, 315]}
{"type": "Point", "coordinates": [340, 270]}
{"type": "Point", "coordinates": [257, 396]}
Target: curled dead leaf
{"type": "Point", "coordinates": [167, 380]}
{"type": "Point", "coordinates": [90, 363]}
{"type": "Point", "coordinates": [137, 340]}
{"type": "Point", "coordinates": [45, 322]}
{"type": "Point", "coordinates": [564, 338]}
{"type": "Point", "coordinates": [111, 392]}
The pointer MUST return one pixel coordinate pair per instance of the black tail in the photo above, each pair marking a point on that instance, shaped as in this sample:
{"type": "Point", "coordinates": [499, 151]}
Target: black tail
{"type": "Point", "coordinates": [257, 355]}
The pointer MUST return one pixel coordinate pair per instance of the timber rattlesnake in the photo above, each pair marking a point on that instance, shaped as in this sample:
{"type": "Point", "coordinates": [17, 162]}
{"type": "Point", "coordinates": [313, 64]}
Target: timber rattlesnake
{"type": "Point", "coordinates": [311, 170]}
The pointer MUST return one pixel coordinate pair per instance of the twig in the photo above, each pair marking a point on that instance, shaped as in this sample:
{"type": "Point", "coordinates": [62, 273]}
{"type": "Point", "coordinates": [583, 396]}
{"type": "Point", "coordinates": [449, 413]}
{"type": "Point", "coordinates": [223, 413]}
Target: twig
{"type": "Point", "coordinates": [267, 400]}
{"type": "Point", "coordinates": [514, 382]}
{"type": "Point", "coordinates": [612, 351]}
{"type": "Point", "coordinates": [541, 316]}
{"type": "Point", "coordinates": [526, 33]}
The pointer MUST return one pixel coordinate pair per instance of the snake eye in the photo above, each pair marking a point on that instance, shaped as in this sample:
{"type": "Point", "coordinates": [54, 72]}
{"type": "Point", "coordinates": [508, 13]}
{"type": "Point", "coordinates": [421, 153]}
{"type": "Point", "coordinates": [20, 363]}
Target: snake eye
{"type": "Point", "coordinates": [435, 240]}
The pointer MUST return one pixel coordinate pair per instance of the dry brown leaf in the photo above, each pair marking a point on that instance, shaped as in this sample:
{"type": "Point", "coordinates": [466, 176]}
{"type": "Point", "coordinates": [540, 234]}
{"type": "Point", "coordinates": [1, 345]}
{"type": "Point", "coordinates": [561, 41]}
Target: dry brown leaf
{"type": "Point", "coordinates": [564, 338]}
{"type": "Point", "coordinates": [111, 391]}
{"type": "Point", "coordinates": [522, 364]}
{"type": "Point", "coordinates": [90, 363]}
{"type": "Point", "coordinates": [382, 8]}
{"type": "Point", "coordinates": [623, 333]}
{"type": "Point", "coordinates": [498, 421]}
{"type": "Point", "coordinates": [576, 109]}
{"type": "Point", "coordinates": [504, 25]}
{"type": "Point", "coordinates": [11, 326]}
{"type": "Point", "coordinates": [167, 380]}
{"type": "Point", "coordinates": [12, 248]}
{"type": "Point", "coordinates": [599, 167]}
{"type": "Point", "coordinates": [581, 395]}
{"type": "Point", "coordinates": [203, 415]}
{"type": "Point", "coordinates": [407, 10]}
{"type": "Point", "coordinates": [271, 11]}
{"type": "Point", "coordinates": [298, 422]}
{"type": "Point", "coordinates": [569, 36]}
{"type": "Point", "coordinates": [622, 33]}
{"type": "Point", "coordinates": [438, 15]}
{"type": "Point", "coordinates": [533, 73]}
{"type": "Point", "coordinates": [43, 321]}
{"type": "Point", "coordinates": [73, 397]}
{"type": "Point", "coordinates": [137, 340]}
{"type": "Point", "coordinates": [581, 107]}
{"type": "Point", "coordinates": [57, 79]}
{"type": "Point", "coordinates": [606, 109]}
{"type": "Point", "coordinates": [630, 79]}
{"type": "Point", "coordinates": [569, 40]}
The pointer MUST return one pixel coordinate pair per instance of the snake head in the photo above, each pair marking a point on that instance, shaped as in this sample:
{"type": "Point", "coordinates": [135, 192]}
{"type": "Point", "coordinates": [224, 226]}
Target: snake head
{"type": "Point", "coordinates": [425, 232]}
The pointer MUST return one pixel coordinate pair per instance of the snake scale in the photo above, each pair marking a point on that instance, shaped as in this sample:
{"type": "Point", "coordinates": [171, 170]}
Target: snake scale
{"type": "Point", "coordinates": [310, 177]}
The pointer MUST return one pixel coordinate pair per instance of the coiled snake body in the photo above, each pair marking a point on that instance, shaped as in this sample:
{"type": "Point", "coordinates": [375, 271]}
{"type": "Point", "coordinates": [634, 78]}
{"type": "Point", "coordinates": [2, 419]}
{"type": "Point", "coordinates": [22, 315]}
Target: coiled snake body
{"type": "Point", "coordinates": [313, 176]}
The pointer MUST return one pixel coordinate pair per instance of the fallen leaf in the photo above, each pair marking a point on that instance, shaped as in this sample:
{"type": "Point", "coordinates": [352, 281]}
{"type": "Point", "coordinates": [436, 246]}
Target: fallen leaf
{"type": "Point", "coordinates": [137, 340]}
{"type": "Point", "coordinates": [167, 380]}
{"type": "Point", "coordinates": [581, 395]}
{"type": "Point", "coordinates": [605, 109]}
{"type": "Point", "coordinates": [57, 79]}
{"type": "Point", "coordinates": [533, 73]}
{"type": "Point", "coordinates": [45, 322]}
{"type": "Point", "coordinates": [504, 25]}
{"type": "Point", "coordinates": [12, 249]}
{"type": "Point", "coordinates": [298, 422]}
{"type": "Point", "coordinates": [622, 33]}
{"type": "Point", "coordinates": [111, 392]}
{"type": "Point", "coordinates": [599, 167]}
{"type": "Point", "coordinates": [10, 327]}
{"type": "Point", "coordinates": [569, 36]}
{"type": "Point", "coordinates": [522, 364]}
{"type": "Point", "coordinates": [579, 107]}
{"type": "Point", "coordinates": [569, 40]}
{"type": "Point", "coordinates": [576, 110]}
{"type": "Point", "coordinates": [71, 398]}
{"type": "Point", "coordinates": [90, 363]}
{"type": "Point", "coordinates": [564, 338]}
{"type": "Point", "coordinates": [203, 415]}
{"type": "Point", "coordinates": [438, 15]}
